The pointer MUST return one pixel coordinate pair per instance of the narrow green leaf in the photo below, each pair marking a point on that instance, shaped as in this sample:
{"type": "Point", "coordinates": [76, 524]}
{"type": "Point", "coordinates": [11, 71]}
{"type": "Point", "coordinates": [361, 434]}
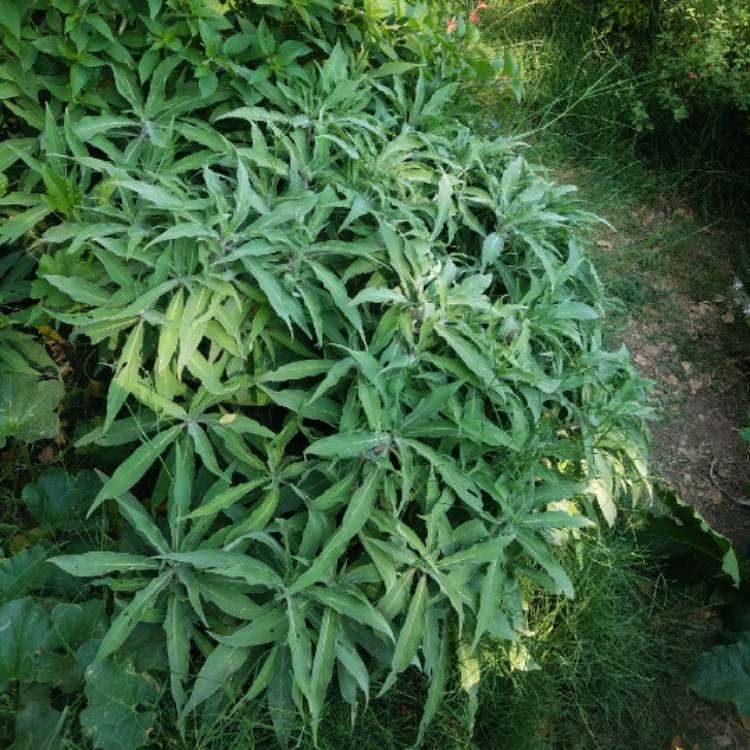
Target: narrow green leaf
{"type": "Point", "coordinates": [220, 665]}
{"type": "Point", "coordinates": [178, 649]}
{"type": "Point", "coordinates": [130, 471]}
{"type": "Point", "coordinates": [89, 564]}
{"type": "Point", "coordinates": [124, 624]}
{"type": "Point", "coordinates": [411, 631]}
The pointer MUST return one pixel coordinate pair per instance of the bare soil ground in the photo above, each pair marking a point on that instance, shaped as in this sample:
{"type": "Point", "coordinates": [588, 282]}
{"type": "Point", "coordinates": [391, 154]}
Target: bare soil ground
{"type": "Point", "coordinates": [682, 319]}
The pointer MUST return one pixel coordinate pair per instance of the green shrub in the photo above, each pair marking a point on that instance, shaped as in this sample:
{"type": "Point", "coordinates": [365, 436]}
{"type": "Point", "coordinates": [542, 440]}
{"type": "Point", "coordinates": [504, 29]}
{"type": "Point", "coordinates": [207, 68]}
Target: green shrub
{"type": "Point", "coordinates": [702, 56]}
{"type": "Point", "coordinates": [354, 362]}
{"type": "Point", "coordinates": [629, 18]}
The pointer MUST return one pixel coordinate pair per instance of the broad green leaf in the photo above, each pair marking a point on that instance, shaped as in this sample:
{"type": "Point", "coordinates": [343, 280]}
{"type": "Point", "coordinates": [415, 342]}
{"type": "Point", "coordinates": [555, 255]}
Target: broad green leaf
{"type": "Point", "coordinates": [38, 727]}
{"type": "Point", "coordinates": [687, 539]}
{"type": "Point", "coordinates": [58, 500]}
{"type": "Point", "coordinates": [27, 407]}
{"type": "Point", "coordinates": [119, 713]}
{"type": "Point", "coordinates": [23, 573]}
{"type": "Point", "coordinates": [723, 674]}
{"type": "Point", "coordinates": [25, 632]}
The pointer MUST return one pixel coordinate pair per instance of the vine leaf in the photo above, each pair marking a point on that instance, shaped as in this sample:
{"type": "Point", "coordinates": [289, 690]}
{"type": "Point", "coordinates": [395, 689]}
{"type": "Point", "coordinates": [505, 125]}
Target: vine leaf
{"type": "Point", "coordinates": [120, 712]}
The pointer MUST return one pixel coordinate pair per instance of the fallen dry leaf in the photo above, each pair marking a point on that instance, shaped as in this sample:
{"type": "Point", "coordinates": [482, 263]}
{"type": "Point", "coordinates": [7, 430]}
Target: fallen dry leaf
{"type": "Point", "coordinates": [745, 722]}
{"type": "Point", "coordinates": [648, 218]}
{"type": "Point", "coordinates": [604, 244]}
{"type": "Point", "coordinates": [716, 497]}
{"type": "Point", "coordinates": [672, 379]}
{"type": "Point", "coordinates": [728, 317]}
{"type": "Point", "coordinates": [687, 366]}
{"type": "Point", "coordinates": [46, 454]}
{"type": "Point", "coordinates": [676, 744]}
{"type": "Point", "coordinates": [639, 359]}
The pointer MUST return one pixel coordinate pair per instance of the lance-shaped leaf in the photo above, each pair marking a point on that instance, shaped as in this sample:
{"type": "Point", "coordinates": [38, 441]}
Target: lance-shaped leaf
{"type": "Point", "coordinates": [270, 626]}
{"type": "Point", "coordinates": [91, 564]}
{"type": "Point", "coordinates": [356, 515]}
{"type": "Point", "coordinates": [412, 630]}
{"type": "Point", "coordinates": [132, 470]}
{"type": "Point", "coordinates": [227, 498]}
{"type": "Point", "coordinates": [124, 624]}
{"type": "Point", "coordinates": [542, 554]}
{"type": "Point", "coordinates": [176, 629]}
{"type": "Point", "coordinates": [322, 668]}
{"type": "Point", "coordinates": [220, 665]}
{"type": "Point", "coordinates": [348, 444]}
{"type": "Point", "coordinates": [357, 607]}
{"type": "Point", "coordinates": [300, 647]}
{"type": "Point", "coordinates": [436, 690]}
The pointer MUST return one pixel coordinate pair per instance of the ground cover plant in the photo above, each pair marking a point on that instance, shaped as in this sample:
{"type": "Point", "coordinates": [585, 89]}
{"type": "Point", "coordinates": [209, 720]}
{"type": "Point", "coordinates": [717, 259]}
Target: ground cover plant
{"type": "Point", "coordinates": [344, 398]}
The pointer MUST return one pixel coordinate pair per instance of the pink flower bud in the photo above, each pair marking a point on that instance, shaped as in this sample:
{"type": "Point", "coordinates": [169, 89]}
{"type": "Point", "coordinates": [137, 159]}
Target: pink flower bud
{"type": "Point", "coordinates": [474, 16]}
{"type": "Point", "coordinates": [451, 26]}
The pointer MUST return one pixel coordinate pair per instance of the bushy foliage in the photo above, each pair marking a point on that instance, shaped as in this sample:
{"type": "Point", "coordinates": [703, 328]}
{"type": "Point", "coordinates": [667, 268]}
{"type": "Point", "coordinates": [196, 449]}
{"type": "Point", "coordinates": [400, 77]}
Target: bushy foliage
{"type": "Point", "coordinates": [696, 53]}
{"type": "Point", "coordinates": [628, 18]}
{"type": "Point", "coordinates": [357, 392]}
{"type": "Point", "coordinates": [703, 54]}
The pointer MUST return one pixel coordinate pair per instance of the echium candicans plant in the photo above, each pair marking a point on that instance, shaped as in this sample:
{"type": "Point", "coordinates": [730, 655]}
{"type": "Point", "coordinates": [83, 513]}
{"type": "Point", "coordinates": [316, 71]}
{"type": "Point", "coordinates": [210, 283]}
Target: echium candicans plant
{"type": "Point", "coordinates": [354, 356]}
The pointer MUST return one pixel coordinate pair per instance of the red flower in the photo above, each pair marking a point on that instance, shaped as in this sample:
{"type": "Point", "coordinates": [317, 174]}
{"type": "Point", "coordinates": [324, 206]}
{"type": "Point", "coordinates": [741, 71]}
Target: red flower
{"type": "Point", "coordinates": [451, 26]}
{"type": "Point", "coordinates": [474, 16]}
{"type": "Point", "coordinates": [691, 76]}
{"type": "Point", "coordinates": [482, 5]}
